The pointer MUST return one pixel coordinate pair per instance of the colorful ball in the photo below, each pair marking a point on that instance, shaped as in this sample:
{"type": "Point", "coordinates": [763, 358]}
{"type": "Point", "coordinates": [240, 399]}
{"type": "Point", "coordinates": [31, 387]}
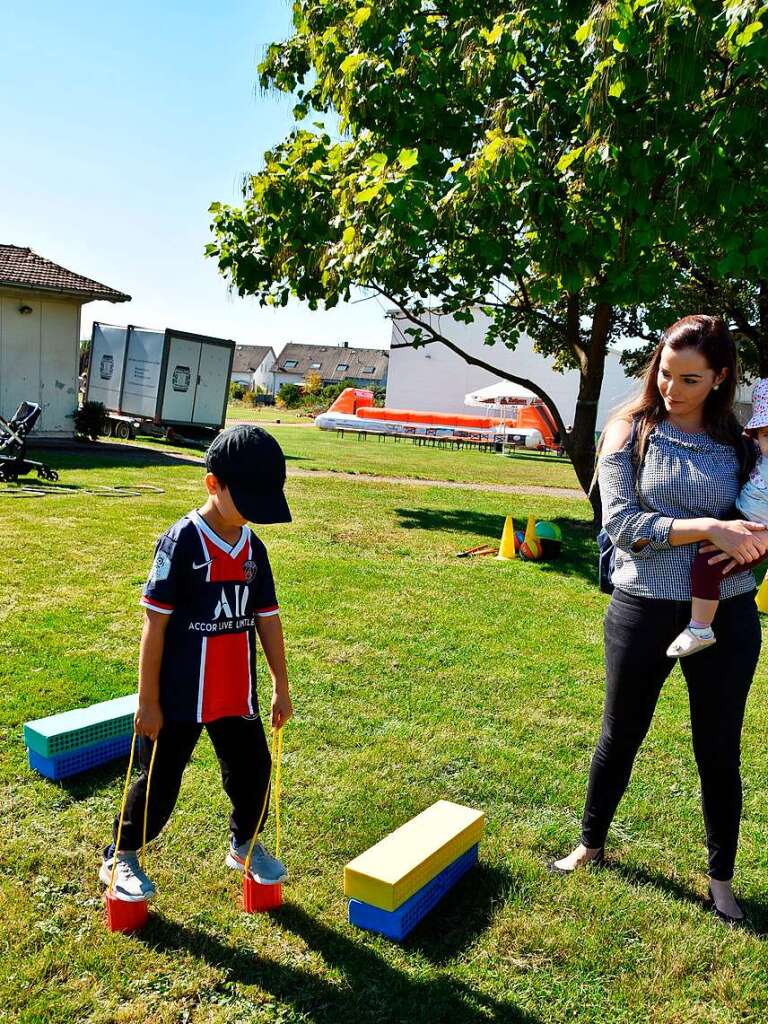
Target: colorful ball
{"type": "Point", "coordinates": [530, 551]}
{"type": "Point", "coordinates": [548, 531]}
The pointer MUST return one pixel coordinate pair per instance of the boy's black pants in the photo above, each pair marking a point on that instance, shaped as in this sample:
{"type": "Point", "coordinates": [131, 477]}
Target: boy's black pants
{"type": "Point", "coordinates": [638, 631]}
{"type": "Point", "coordinates": [241, 748]}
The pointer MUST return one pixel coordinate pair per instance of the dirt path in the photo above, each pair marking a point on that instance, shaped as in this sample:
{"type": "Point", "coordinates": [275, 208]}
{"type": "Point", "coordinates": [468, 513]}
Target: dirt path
{"type": "Point", "coordinates": [459, 485]}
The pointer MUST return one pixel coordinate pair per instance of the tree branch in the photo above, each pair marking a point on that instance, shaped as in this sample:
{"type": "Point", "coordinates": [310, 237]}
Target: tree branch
{"type": "Point", "coordinates": [472, 360]}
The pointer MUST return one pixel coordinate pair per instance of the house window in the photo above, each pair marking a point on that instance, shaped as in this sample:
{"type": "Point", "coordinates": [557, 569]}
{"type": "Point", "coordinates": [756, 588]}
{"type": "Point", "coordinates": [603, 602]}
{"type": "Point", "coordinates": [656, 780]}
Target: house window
{"type": "Point", "coordinates": [314, 366]}
{"type": "Point", "coordinates": [342, 367]}
{"type": "Point", "coordinates": [369, 369]}
{"type": "Point", "coordinates": [291, 364]}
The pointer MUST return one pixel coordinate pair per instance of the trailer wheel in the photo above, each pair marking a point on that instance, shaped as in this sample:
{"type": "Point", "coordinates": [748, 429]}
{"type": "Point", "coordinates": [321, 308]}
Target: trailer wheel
{"type": "Point", "coordinates": [108, 428]}
{"type": "Point", "coordinates": [122, 430]}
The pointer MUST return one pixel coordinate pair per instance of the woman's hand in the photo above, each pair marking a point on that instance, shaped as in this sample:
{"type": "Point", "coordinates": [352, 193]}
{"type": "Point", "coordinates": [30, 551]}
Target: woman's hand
{"type": "Point", "coordinates": [738, 542]}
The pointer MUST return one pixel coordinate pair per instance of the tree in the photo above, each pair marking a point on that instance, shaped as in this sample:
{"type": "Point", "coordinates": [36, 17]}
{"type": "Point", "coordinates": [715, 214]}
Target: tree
{"type": "Point", "coordinates": [558, 166]}
{"type": "Point", "coordinates": [312, 383]}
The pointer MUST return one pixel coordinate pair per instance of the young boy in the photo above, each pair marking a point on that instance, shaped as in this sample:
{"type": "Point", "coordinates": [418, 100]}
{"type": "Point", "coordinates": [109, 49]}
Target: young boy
{"type": "Point", "coordinates": [752, 503]}
{"type": "Point", "coordinates": [209, 587]}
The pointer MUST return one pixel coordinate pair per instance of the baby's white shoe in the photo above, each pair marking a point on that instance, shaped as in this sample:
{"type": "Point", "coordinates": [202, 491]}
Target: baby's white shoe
{"type": "Point", "coordinates": [690, 641]}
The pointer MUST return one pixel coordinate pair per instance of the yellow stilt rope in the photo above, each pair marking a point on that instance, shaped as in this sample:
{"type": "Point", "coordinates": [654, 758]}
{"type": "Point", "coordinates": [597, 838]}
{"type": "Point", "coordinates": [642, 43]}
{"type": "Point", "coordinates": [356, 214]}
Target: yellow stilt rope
{"type": "Point", "coordinates": [256, 895]}
{"type": "Point", "coordinates": [277, 758]}
{"type": "Point", "coordinates": [122, 810]}
{"type": "Point", "coordinates": [123, 915]}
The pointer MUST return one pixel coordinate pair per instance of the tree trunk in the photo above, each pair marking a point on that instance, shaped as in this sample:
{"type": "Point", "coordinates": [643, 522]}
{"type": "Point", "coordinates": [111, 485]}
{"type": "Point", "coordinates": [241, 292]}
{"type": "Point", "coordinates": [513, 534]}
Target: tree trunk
{"type": "Point", "coordinates": [762, 344]}
{"type": "Point", "coordinates": [580, 441]}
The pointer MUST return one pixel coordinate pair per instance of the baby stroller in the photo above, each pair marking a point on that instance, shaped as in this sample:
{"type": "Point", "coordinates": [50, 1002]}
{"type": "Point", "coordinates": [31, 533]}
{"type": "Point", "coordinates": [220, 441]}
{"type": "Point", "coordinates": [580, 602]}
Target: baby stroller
{"type": "Point", "coordinates": [13, 445]}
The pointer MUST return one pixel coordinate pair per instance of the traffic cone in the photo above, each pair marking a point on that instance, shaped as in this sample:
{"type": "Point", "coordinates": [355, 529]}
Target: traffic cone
{"type": "Point", "coordinates": [507, 546]}
{"type": "Point", "coordinates": [761, 600]}
{"type": "Point", "coordinates": [531, 541]}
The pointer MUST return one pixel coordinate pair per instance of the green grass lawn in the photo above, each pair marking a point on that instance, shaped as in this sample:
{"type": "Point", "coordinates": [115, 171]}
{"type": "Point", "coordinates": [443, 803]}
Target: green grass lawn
{"type": "Point", "coordinates": [312, 448]}
{"type": "Point", "coordinates": [240, 412]}
{"type": "Point", "coordinates": [416, 676]}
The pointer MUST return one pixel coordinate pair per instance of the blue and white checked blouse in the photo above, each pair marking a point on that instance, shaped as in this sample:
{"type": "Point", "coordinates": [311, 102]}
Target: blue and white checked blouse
{"type": "Point", "coordinates": [683, 476]}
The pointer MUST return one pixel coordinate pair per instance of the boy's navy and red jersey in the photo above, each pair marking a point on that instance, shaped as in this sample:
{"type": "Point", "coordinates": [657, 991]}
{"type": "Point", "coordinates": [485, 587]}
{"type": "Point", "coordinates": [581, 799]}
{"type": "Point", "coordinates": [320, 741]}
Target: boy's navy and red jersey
{"type": "Point", "coordinates": [213, 592]}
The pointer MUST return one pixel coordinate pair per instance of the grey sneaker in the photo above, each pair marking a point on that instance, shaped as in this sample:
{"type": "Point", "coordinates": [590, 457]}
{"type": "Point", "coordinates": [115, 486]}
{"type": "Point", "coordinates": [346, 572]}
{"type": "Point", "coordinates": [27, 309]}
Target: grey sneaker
{"type": "Point", "coordinates": [131, 884]}
{"type": "Point", "coordinates": [265, 869]}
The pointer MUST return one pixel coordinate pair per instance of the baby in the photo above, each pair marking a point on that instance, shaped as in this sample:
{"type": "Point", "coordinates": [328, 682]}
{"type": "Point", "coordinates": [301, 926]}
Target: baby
{"type": "Point", "coordinates": [752, 503]}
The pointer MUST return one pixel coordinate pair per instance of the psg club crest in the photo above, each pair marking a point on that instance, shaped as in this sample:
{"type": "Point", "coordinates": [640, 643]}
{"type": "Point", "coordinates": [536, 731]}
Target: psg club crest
{"type": "Point", "coordinates": [249, 570]}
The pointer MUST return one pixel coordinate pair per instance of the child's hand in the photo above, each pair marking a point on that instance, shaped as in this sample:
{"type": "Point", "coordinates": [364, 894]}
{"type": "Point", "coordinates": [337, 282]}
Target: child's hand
{"type": "Point", "coordinates": [282, 709]}
{"type": "Point", "coordinates": [148, 720]}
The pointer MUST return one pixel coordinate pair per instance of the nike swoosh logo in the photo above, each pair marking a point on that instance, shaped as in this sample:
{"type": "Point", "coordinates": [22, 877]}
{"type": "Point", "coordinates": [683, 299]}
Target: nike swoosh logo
{"type": "Point", "coordinates": [202, 564]}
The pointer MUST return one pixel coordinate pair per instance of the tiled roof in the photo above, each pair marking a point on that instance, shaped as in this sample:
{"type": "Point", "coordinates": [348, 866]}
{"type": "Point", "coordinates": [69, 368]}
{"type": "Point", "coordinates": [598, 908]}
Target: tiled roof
{"type": "Point", "coordinates": [22, 268]}
{"type": "Point", "coordinates": [248, 358]}
{"type": "Point", "coordinates": [330, 358]}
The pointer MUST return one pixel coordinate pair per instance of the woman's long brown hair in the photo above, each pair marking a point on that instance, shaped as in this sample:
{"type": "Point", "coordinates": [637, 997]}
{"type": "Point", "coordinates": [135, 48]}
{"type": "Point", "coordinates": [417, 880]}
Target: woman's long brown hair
{"type": "Point", "coordinates": [710, 336]}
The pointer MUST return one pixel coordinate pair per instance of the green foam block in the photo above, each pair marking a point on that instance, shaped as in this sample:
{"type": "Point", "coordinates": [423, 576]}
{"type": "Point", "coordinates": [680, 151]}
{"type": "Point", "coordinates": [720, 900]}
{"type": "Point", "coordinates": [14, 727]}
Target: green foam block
{"type": "Point", "coordinates": [81, 727]}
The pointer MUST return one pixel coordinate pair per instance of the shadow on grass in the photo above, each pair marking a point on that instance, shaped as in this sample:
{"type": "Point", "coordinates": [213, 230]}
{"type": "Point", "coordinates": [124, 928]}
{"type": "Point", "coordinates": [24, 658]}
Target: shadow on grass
{"type": "Point", "coordinates": [95, 780]}
{"type": "Point", "coordinates": [757, 912]}
{"type": "Point", "coordinates": [460, 918]}
{"type": "Point", "coordinates": [371, 990]}
{"type": "Point", "coordinates": [579, 551]}
{"type": "Point", "coordinates": [108, 454]}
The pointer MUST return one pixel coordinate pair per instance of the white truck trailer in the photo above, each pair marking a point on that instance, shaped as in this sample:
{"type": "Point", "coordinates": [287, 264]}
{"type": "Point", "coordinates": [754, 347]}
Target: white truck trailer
{"type": "Point", "coordinates": [159, 381]}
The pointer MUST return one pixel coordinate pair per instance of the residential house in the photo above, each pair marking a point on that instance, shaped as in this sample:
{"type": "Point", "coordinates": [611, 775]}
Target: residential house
{"type": "Point", "coordinates": [252, 366]}
{"type": "Point", "coordinates": [367, 367]}
{"type": "Point", "coordinates": [40, 304]}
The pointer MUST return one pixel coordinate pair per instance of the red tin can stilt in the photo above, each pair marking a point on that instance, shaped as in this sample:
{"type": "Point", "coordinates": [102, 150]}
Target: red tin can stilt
{"type": "Point", "coordinates": [125, 916]}
{"type": "Point", "coordinates": [257, 897]}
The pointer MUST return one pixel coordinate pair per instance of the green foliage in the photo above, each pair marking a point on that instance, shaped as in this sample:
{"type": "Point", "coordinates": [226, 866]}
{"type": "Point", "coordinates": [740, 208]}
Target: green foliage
{"type": "Point", "coordinates": [559, 171]}
{"type": "Point", "coordinates": [90, 420]}
{"type": "Point", "coordinates": [236, 391]}
{"type": "Point", "coordinates": [290, 395]}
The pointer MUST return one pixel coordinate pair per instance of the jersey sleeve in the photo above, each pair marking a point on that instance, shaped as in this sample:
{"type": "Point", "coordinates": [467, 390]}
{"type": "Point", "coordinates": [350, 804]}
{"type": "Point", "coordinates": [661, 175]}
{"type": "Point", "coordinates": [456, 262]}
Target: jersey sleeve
{"type": "Point", "coordinates": [264, 596]}
{"type": "Point", "coordinates": [162, 589]}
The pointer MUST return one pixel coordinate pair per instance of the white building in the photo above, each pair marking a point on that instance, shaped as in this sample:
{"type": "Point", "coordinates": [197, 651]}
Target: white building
{"type": "Point", "coordinates": [435, 378]}
{"type": "Point", "coordinates": [40, 336]}
{"type": "Point", "coordinates": [253, 366]}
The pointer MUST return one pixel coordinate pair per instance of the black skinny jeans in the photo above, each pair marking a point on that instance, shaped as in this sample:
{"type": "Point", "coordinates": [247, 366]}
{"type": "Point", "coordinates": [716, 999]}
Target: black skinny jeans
{"type": "Point", "coordinates": [637, 633]}
{"type": "Point", "coordinates": [241, 748]}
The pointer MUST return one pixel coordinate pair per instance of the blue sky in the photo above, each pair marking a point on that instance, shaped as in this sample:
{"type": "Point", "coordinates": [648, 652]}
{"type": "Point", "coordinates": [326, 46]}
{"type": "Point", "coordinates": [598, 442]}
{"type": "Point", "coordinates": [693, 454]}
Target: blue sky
{"type": "Point", "coordinates": [122, 123]}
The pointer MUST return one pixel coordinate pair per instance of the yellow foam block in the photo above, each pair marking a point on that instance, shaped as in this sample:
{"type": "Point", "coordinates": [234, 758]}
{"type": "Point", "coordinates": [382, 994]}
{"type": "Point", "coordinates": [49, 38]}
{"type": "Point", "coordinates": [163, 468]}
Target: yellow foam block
{"type": "Point", "coordinates": [390, 872]}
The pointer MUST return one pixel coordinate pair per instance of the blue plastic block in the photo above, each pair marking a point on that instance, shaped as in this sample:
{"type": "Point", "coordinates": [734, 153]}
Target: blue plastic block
{"type": "Point", "coordinates": [62, 765]}
{"type": "Point", "coordinates": [395, 924]}
{"type": "Point", "coordinates": [81, 727]}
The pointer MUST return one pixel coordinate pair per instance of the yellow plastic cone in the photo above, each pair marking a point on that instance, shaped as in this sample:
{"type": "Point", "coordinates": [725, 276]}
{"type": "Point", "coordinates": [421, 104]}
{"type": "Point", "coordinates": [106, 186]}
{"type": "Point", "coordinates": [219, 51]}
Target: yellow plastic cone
{"type": "Point", "coordinates": [531, 546]}
{"type": "Point", "coordinates": [530, 532]}
{"type": "Point", "coordinates": [507, 547]}
{"type": "Point", "coordinates": [762, 596]}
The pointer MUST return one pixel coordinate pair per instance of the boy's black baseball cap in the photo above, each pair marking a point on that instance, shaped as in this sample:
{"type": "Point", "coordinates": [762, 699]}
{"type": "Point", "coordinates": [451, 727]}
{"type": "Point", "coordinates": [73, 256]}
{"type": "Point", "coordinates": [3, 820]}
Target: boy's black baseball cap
{"type": "Point", "coordinates": [250, 462]}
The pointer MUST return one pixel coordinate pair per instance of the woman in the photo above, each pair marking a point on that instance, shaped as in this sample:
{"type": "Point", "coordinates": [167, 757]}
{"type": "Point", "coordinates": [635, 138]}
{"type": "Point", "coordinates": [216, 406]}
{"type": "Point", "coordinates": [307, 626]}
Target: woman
{"type": "Point", "coordinates": [670, 465]}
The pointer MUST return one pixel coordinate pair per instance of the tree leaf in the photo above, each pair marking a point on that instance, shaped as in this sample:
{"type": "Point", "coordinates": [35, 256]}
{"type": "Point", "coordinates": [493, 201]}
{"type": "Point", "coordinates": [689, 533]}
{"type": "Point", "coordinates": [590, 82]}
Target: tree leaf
{"type": "Point", "coordinates": [351, 63]}
{"type": "Point", "coordinates": [584, 31]}
{"type": "Point", "coordinates": [407, 158]}
{"type": "Point", "coordinates": [567, 159]}
{"type": "Point", "coordinates": [369, 193]}
{"type": "Point", "coordinates": [617, 88]}
{"type": "Point", "coordinates": [360, 17]}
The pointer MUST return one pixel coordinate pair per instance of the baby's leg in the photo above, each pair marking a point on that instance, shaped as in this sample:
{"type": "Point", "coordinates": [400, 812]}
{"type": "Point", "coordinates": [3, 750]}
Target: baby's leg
{"type": "Point", "coordinates": [705, 588]}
